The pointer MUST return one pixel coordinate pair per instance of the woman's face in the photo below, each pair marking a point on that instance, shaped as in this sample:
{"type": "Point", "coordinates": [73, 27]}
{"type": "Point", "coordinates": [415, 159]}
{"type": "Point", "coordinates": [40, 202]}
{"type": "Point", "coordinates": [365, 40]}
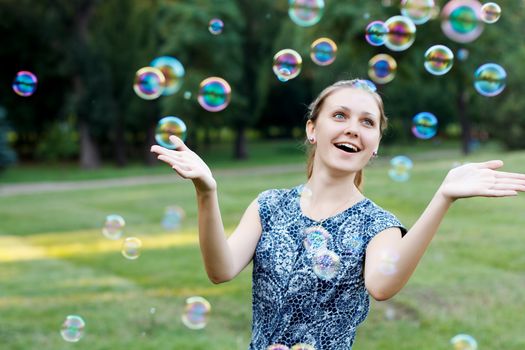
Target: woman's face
{"type": "Point", "coordinates": [346, 131]}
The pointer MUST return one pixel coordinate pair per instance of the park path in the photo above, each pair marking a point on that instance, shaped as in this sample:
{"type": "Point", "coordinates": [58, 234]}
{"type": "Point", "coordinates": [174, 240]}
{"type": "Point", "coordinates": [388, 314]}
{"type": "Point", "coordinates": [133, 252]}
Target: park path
{"type": "Point", "coordinates": [41, 187]}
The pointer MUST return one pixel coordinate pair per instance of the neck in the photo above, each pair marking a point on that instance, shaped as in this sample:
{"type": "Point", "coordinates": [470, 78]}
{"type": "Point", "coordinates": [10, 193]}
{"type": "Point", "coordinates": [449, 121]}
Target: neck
{"type": "Point", "coordinates": [329, 196]}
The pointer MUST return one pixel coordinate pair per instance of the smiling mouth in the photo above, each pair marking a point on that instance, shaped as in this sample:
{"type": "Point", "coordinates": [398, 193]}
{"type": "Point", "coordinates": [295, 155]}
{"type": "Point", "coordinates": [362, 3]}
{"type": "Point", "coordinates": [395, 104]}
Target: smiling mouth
{"type": "Point", "coordinates": [347, 147]}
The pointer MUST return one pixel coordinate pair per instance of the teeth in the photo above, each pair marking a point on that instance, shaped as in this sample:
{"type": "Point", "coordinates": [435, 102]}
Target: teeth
{"type": "Point", "coordinates": [348, 146]}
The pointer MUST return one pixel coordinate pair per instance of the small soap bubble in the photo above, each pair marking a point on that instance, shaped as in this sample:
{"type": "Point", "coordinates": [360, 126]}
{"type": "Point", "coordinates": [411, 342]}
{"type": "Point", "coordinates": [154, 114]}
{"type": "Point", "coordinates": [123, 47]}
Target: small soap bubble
{"type": "Point", "coordinates": [173, 216]}
{"type": "Point", "coordinates": [277, 347]}
{"type": "Point", "coordinates": [305, 192]}
{"type": "Point", "coordinates": [216, 26]}
{"type": "Point", "coordinates": [462, 54]}
{"type": "Point", "coordinates": [382, 68]}
{"type": "Point", "coordinates": [316, 239]}
{"type": "Point", "coordinates": [187, 95]}
{"type": "Point", "coordinates": [196, 312]}
{"type": "Point", "coordinates": [214, 94]}
{"type": "Point", "coordinates": [323, 51]}
{"type": "Point", "coordinates": [305, 13]}
{"type": "Point", "coordinates": [326, 264]}
{"type": "Point", "coordinates": [173, 72]}
{"type": "Point", "coordinates": [490, 12]}
{"type": "Point", "coordinates": [149, 83]}
{"type": "Point", "coordinates": [302, 346]}
{"type": "Point", "coordinates": [131, 248]}
{"type": "Point", "coordinates": [419, 11]}
{"type": "Point", "coordinates": [400, 168]}
{"type": "Point", "coordinates": [464, 342]}
{"type": "Point", "coordinates": [72, 328]}
{"type": "Point", "coordinates": [287, 64]}
{"type": "Point", "coordinates": [490, 79]}
{"type": "Point", "coordinates": [376, 32]}
{"type": "Point", "coordinates": [401, 33]}
{"type": "Point", "coordinates": [113, 226]}
{"type": "Point", "coordinates": [438, 60]}
{"type": "Point", "coordinates": [390, 313]}
{"type": "Point", "coordinates": [388, 262]}
{"type": "Point", "coordinates": [461, 20]}
{"type": "Point", "coordinates": [168, 126]}
{"type": "Point", "coordinates": [424, 125]}
{"type": "Point", "coordinates": [25, 83]}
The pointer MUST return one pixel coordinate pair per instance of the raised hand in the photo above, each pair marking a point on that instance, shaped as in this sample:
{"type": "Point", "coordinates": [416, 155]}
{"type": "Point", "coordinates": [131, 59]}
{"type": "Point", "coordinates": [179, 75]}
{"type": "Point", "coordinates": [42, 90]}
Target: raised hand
{"type": "Point", "coordinates": [187, 164]}
{"type": "Point", "coordinates": [481, 179]}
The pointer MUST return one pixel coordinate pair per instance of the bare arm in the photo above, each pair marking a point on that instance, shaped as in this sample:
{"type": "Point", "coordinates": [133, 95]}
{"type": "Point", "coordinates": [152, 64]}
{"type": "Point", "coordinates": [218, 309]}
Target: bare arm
{"type": "Point", "coordinates": [391, 260]}
{"type": "Point", "coordinates": [224, 258]}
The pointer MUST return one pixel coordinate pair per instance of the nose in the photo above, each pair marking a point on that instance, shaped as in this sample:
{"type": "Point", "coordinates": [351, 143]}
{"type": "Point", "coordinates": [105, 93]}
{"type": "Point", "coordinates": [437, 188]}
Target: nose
{"type": "Point", "coordinates": [351, 129]}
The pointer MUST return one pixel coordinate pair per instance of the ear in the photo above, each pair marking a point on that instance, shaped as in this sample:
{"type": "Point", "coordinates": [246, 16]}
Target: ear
{"type": "Point", "coordinates": [310, 128]}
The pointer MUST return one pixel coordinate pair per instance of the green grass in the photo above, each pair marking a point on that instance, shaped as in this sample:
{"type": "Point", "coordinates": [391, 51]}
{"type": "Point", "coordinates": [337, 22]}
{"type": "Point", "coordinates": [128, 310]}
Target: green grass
{"type": "Point", "coordinates": [54, 262]}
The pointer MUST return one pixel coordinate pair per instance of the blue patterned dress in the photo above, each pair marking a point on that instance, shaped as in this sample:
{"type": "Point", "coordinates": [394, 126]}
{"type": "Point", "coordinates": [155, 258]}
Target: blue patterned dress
{"type": "Point", "coordinates": [291, 303]}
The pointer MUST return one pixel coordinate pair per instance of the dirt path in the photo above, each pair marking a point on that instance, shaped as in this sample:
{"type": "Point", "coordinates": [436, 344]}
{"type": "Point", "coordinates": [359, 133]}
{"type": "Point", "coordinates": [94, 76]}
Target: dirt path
{"type": "Point", "coordinates": [40, 187]}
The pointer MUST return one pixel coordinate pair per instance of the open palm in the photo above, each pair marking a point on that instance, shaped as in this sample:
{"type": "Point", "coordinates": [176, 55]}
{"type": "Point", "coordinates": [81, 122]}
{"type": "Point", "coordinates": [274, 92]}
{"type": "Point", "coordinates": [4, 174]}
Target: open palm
{"type": "Point", "coordinates": [482, 179]}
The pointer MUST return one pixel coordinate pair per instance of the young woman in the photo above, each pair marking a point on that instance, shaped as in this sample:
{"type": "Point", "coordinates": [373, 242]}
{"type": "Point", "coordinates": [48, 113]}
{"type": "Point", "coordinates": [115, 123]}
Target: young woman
{"type": "Point", "coordinates": [320, 249]}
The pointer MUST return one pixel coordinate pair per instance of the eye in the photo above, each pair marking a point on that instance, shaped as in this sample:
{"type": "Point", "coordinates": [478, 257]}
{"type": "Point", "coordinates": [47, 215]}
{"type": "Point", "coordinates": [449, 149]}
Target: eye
{"type": "Point", "coordinates": [339, 116]}
{"type": "Point", "coordinates": [368, 122]}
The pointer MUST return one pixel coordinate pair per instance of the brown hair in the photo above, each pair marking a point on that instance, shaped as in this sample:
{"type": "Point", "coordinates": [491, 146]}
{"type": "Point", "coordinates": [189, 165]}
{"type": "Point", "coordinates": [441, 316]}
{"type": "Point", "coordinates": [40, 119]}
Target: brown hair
{"type": "Point", "coordinates": [315, 108]}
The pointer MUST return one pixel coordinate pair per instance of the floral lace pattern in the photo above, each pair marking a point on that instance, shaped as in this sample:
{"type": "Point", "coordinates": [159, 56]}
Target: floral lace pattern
{"type": "Point", "coordinates": [291, 304]}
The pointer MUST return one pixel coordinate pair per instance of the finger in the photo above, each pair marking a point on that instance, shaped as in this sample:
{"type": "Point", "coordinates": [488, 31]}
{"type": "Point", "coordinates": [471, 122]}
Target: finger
{"type": "Point", "coordinates": [164, 151]}
{"type": "Point", "coordinates": [179, 144]}
{"type": "Point", "coordinates": [491, 164]}
{"type": "Point", "coordinates": [507, 186]}
{"type": "Point", "coordinates": [502, 174]}
{"type": "Point", "coordinates": [172, 161]}
{"type": "Point", "coordinates": [501, 193]}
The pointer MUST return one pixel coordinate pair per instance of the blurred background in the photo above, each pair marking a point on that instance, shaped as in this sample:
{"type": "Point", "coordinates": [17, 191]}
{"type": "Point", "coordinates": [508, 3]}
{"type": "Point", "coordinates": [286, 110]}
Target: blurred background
{"type": "Point", "coordinates": [85, 90]}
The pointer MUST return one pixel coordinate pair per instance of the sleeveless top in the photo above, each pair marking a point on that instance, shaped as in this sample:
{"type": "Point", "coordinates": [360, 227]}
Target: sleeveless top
{"type": "Point", "coordinates": [291, 303]}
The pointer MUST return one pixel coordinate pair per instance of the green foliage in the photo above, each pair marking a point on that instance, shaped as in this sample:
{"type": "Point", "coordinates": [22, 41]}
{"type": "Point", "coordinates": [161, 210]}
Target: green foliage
{"type": "Point", "coordinates": [60, 142]}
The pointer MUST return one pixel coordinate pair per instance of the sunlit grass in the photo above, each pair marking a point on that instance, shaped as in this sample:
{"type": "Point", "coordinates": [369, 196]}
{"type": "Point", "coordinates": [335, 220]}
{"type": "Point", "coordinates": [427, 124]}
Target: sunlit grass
{"type": "Point", "coordinates": [54, 261]}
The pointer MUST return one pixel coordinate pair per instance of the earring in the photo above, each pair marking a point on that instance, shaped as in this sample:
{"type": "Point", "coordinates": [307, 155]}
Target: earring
{"type": "Point", "coordinates": [311, 139]}
{"type": "Point", "coordinates": [374, 154]}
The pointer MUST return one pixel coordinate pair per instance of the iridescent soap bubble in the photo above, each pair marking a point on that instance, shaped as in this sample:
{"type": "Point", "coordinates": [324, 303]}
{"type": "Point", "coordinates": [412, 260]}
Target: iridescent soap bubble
{"type": "Point", "coordinates": [401, 33]}
{"type": "Point", "coordinates": [113, 226]}
{"type": "Point", "coordinates": [316, 239]}
{"type": "Point", "coordinates": [173, 72]}
{"type": "Point", "coordinates": [376, 32]}
{"type": "Point", "coordinates": [187, 95]}
{"type": "Point", "coordinates": [460, 20]}
{"type": "Point", "coordinates": [173, 216]}
{"type": "Point", "coordinates": [424, 125]}
{"type": "Point", "coordinates": [168, 126]}
{"type": "Point", "coordinates": [462, 54]}
{"type": "Point", "coordinates": [382, 68]}
{"type": "Point", "coordinates": [24, 83]}
{"type": "Point", "coordinates": [287, 64]}
{"type": "Point", "coordinates": [400, 168]}
{"type": "Point", "coordinates": [214, 94]}
{"type": "Point", "coordinates": [149, 83]}
{"type": "Point", "coordinates": [72, 328]}
{"type": "Point", "coordinates": [490, 12]}
{"type": "Point", "coordinates": [438, 60]}
{"type": "Point", "coordinates": [131, 248]}
{"type": "Point", "coordinates": [326, 264]}
{"type": "Point", "coordinates": [419, 11]}
{"type": "Point", "coordinates": [323, 51]}
{"type": "Point", "coordinates": [305, 192]}
{"type": "Point", "coordinates": [277, 347]}
{"type": "Point", "coordinates": [305, 13]}
{"type": "Point", "coordinates": [196, 312]}
{"type": "Point", "coordinates": [490, 79]}
{"type": "Point", "coordinates": [216, 26]}
{"type": "Point", "coordinates": [464, 342]}
{"type": "Point", "coordinates": [388, 262]}
{"type": "Point", "coordinates": [302, 346]}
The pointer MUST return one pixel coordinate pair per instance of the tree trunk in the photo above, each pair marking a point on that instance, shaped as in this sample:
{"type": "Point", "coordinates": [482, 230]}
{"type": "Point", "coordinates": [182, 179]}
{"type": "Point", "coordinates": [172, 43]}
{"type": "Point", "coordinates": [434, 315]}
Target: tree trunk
{"type": "Point", "coordinates": [119, 145]}
{"type": "Point", "coordinates": [89, 153]}
{"type": "Point", "coordinates": [150, 158]}
{"type": "Point", "coordinates": [464, 122]}
{"type": "Point", "coordinates": [240, 151]}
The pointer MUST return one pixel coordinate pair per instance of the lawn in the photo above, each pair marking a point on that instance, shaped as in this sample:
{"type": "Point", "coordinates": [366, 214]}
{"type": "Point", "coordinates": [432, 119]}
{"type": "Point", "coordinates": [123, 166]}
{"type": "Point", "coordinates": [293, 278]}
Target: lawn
{"type": "Point", "coordinates": [55, 262]}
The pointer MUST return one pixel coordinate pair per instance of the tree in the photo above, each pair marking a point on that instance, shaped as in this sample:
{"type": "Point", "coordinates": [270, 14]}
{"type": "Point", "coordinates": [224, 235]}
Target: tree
{"type": "Point", "coordinates": [7, 155]}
